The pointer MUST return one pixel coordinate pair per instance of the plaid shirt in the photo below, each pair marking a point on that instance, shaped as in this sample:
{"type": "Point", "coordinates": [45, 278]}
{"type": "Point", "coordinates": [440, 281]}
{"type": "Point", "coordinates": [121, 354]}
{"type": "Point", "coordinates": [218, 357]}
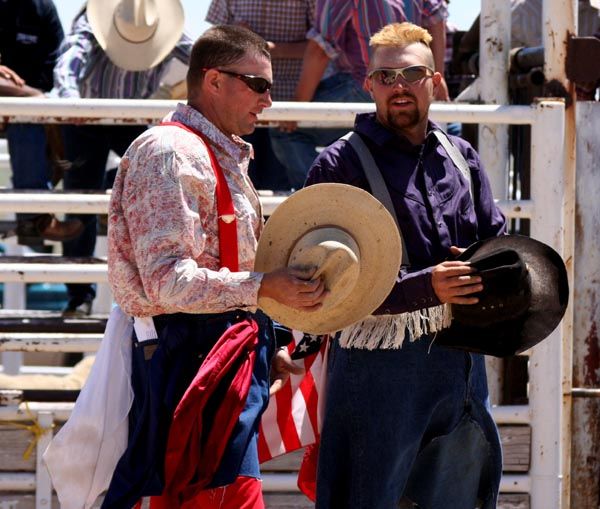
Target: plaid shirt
{"type": "Point", "coordinates": [275, 21]}
{"type": "Point", "coordinates": [84, 70]}
{"type": "Point", "coordinates": [343, 27]}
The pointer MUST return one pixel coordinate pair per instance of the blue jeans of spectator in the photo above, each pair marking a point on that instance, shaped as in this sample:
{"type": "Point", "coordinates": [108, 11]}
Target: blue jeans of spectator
{"type": "Point", "coordinates": [412, 422]}
{"type": "Point", "coordinates": [297, 150]}
{"type": "Point", "coordinates": [28, 158]}
{"type": "Point", "coordinates": [265, 170]}
{"type": "Point", "coordinates": [87, 148]}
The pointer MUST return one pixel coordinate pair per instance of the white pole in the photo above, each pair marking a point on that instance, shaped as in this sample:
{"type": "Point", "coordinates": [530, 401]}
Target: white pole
{"type": "Point", "coordinates": [14, 298]}
{"type": "Point", "coordinates": [43, 485]}
{"type": "Point", "coordinates": [494, 47]}
{"type": "Point", "coordinates": [585, 491]}
{"type": "Point", "coordinates": [546, 359]}
{"type": "Point", "coordinates": [559, 22]}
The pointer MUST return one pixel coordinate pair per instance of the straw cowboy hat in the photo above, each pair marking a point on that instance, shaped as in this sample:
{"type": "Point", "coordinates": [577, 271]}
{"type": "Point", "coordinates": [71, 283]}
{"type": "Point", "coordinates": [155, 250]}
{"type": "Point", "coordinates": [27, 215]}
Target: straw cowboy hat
{"type": "Point", "coordinates": [525, 296]}
{"type": "Point", "coordinates": [136, 34]}
{"type": "Point", "coordinates": [348, 238]}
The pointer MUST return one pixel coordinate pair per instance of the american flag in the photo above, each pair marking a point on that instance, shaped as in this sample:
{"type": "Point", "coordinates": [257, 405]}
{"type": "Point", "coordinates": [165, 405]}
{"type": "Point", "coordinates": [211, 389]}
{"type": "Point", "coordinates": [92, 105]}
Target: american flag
{"type": "Point", "coordinates": [291, 420]}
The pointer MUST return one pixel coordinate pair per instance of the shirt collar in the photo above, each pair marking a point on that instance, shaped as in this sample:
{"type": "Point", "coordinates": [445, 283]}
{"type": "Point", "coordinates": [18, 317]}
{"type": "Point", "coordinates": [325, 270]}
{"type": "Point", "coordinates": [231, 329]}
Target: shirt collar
{"type": "Point", "coordinates": [233, 145]}
{"type": "Point", "coordinates": [367, 124]}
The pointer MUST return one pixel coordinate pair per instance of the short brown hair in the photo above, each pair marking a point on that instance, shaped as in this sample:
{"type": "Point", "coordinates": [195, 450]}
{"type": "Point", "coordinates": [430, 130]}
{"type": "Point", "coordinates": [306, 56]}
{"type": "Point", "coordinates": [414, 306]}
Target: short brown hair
{"type": "Point", "coordinates": [222, 45]}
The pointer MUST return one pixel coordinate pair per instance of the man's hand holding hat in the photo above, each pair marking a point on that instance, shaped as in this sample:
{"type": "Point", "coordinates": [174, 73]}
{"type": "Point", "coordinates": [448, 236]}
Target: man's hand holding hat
{"type": "Point", "coordinates": [293, 288]}
{"type": "Point", "coordinates": [455, 281]}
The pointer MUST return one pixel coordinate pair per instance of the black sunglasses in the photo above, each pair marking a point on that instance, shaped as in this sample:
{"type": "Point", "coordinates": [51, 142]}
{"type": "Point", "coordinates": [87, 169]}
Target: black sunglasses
{"type": "Point", "coordinates": [410, 74]}
{"type": "Point", "coordinates": [254, 83]}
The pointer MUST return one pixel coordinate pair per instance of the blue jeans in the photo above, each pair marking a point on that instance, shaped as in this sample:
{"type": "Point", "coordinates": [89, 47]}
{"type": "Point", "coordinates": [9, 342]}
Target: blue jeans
{"type": "Point", "coordinates": [87, 148]}
{"type": "Point", "coordinates": [412, 422]}
{"type": "Point", "coordinates": [297, 150]}
{"type": "Point", "coordinates": [265, 170]}
{"type": "Point", "coordinates": [28, 159]}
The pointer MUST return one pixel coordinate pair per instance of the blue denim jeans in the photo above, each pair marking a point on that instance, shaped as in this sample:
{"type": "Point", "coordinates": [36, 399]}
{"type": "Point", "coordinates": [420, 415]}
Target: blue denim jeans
{"type": "Point", "coordinates": [87, 148]}
{"type": "Point", "coordinates": [411, 424]}
{"type": "Point", "coordinates": [28, 159]}
{"type": "Point", "coordinates": [297, 150]}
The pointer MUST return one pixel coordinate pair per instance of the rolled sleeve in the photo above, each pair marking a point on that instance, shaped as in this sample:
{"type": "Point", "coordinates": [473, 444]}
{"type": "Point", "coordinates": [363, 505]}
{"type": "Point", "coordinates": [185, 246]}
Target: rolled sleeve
{"type": "Point", "coordinates": [434, 12]}
{"type": "Point", "coordinates": [331, 18]}
{"type": "Point", "coordinates": [75, 55]}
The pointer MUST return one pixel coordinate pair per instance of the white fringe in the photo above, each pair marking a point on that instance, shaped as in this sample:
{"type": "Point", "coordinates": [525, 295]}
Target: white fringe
{"type": "Point", "coordinates": [388, 331]}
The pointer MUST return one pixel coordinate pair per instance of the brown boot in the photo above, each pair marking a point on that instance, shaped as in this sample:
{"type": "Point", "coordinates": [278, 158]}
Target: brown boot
{"type": "Point", "coordinates": [53, 229]}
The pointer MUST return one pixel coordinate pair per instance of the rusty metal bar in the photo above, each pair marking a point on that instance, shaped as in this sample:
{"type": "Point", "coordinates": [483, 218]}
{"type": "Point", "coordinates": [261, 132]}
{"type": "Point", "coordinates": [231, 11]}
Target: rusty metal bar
{"type": "Point", "coordinates": [582, 392]}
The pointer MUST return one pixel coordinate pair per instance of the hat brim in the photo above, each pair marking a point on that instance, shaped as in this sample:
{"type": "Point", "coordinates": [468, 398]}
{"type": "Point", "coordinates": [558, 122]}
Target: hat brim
{"type": "Point", "coordinates": [549, 299]}
{"type": "Point", "coordinates": [136, 56]}
{"type": "Point", "coordinates": [369, 224]}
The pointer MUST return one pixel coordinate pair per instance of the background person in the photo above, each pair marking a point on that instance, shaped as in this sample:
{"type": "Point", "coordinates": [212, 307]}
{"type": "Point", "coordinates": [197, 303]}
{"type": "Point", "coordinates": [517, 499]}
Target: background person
{"type": "Point", "coordinates": [30, 35]}
{"type": "Point", "coordinates": [107, 55]}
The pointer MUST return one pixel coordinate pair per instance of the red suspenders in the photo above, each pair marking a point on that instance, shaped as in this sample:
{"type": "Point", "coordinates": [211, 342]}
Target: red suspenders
{"type": "Point", "coordinates": [227, 222]}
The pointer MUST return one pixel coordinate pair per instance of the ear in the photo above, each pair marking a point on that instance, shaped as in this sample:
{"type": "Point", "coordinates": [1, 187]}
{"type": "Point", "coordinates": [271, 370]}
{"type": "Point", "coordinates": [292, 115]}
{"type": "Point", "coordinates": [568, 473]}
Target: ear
{"type": "Point", "coordinates": [436, 78]}
{"type": "Point", "coordinates": [368, 86]}
{"type": "Point", "coordinates": [212, 81]}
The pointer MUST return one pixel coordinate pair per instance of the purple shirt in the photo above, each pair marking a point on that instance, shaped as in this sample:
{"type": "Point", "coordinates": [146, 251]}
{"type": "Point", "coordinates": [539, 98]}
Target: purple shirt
{"type": "Point", "coordinates": [431, 200]}
{"type": "Point", "coordinates": [343, 27]}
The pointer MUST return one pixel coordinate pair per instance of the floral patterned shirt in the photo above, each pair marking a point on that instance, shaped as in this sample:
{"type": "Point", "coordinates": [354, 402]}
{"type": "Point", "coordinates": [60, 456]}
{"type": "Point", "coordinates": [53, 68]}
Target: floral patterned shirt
{"type": "Point", "coordinates": [163, 234]}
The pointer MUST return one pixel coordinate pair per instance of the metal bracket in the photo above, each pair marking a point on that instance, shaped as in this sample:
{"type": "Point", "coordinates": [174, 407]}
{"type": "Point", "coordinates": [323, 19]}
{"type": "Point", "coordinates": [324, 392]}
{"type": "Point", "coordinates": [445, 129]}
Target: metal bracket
{"type": "Point", "coordinates": [581, 52]}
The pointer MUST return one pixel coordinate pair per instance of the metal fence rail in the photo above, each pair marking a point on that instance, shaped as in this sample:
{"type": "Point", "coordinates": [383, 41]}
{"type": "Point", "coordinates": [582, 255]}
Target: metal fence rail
{"type": "Point", "coordinates": [545, 412]}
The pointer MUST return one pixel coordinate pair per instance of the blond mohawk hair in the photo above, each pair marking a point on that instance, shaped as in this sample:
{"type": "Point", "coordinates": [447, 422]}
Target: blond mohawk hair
{"type": "Point", "coordinates": [400, 34]}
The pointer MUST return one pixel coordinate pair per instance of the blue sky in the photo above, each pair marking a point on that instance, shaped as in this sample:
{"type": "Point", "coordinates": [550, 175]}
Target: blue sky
{"type": "Point", "coordinates": [462, 13]}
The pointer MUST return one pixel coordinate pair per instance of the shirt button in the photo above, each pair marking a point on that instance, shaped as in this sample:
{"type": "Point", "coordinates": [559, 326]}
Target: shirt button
{"type": "Point", "coordinates": [430, 193]}
{"type": "Point", "coordinates": [440, 224]}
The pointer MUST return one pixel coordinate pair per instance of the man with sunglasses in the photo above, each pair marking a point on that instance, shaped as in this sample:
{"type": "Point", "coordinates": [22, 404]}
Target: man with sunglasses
{"type": "Point", "coordinates": [407, 422]}
{"type": "Point", "coordinates": [183, 228]}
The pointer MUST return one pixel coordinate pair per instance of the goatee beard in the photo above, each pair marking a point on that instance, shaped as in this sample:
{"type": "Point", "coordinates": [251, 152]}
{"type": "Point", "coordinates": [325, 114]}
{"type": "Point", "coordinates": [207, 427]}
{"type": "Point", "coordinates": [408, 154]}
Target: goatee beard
{"type": "Point", "coordinates": [405, 119]}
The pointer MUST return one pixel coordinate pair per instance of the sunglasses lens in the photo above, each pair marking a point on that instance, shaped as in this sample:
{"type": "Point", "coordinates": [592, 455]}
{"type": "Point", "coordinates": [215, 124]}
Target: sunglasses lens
{"type": "Point", "coordinates": [416, 73]}
{"type": "Point", "coordinates": [387, 76]}
{"type": "Point", "coordinates": [258, 85]}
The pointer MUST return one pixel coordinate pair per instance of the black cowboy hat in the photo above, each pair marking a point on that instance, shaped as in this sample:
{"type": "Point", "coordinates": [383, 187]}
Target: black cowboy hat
{"type": "Point", "coordinates": [524, 298]}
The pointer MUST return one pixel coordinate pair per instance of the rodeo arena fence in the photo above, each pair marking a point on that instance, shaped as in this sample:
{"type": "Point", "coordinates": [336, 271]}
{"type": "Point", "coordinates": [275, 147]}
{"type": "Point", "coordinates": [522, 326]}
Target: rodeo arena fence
{"type": "Point", "coordinates": [538, 436]}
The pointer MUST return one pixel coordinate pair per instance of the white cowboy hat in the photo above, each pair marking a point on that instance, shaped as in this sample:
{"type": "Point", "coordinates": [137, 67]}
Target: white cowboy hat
{"type": "Point", "coordinates": [136, 34]}
{"type": "Point", "coordinates": [348, 237]}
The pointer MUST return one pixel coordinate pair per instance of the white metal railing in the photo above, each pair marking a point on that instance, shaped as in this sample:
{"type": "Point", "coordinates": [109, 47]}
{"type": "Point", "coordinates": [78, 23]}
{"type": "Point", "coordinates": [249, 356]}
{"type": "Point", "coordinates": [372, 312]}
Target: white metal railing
{"type": "Point", "coordinates": [546, 210]}
{"type": "Point", "coordinates": [144, 111]}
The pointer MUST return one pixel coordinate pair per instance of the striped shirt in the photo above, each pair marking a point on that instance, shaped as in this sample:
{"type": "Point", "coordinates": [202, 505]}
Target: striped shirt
{"type": "Point", "coordinates": [343, 27]}
{"type": "Point", "coordinates": [276, 21]}
{"type": "Point", "coordinates": [84, 70]}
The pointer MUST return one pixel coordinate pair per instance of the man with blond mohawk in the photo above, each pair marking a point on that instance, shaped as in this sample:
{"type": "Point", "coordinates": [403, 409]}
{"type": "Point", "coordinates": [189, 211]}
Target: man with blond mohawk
{"type": "Point", "coordinates": [407, 421]}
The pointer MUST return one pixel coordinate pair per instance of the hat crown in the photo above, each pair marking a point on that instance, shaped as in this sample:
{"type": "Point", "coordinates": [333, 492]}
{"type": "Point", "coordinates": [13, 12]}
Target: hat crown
{"type": "Point", "coordinates": [331, 254]}
{"type": "Point", "coordinates": [507, 289]}
{"type": "Point", "coordinates": [136, 20]}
